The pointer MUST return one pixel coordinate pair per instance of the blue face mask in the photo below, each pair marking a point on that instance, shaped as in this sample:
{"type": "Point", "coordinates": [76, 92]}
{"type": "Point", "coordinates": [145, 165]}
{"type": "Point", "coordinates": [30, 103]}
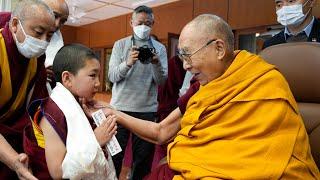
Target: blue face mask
{"type": "Point", "coordinates": [31, 47]}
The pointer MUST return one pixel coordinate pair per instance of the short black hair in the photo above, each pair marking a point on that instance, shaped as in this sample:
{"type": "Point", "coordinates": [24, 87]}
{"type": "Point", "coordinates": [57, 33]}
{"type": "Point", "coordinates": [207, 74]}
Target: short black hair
{"type": "Point", "coordinates": [144, 9]}
{"type": "Point", "coordinates": [71, 58]}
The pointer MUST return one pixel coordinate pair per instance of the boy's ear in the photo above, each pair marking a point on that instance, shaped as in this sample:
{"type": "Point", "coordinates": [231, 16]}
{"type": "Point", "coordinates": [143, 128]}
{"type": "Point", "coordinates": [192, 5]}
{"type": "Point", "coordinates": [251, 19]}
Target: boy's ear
{"type": "Point", "coordinates": [66, 78]}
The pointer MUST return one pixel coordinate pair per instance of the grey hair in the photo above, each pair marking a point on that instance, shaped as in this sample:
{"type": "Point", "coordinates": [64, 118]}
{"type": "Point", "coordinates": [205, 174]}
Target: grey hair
{"type": "Point", "coordinates": [214, 25]}
{"type": "Point", "coordinates": [144, 9]}
{"type": "Point", "coordinates": [28, 8]}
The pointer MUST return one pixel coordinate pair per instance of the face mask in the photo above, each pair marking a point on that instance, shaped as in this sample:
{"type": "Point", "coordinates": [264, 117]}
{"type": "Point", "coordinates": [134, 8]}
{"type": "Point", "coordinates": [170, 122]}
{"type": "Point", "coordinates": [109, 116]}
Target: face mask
{"type": "Point", "coordinates": [142, 31]}
{"type": "Point", "coordinates": [291, 15]}
{"type": "Point", "coordinates": [31, 47]}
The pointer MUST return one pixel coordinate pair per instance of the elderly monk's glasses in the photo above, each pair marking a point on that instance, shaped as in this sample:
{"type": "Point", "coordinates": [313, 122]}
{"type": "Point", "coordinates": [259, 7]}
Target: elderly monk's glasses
{"type": "Point", "coordinates": [187, 57]}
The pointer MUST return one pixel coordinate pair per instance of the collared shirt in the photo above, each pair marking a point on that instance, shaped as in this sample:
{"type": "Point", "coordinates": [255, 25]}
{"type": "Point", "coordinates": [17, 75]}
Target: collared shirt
{"type": "Point", "coordinates": [307, 30]}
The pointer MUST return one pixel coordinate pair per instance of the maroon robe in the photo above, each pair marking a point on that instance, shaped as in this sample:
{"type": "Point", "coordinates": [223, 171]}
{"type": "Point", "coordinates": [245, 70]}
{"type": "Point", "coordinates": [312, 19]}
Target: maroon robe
{"type": "Point", "coordinates": [162, 172]}
{"type": "Point", "coordinates": [37, 158]}
{"type": "Point", "coordinates": [56, 118]}
{"type": "Point", "coordinates": [5, 17]}
{"type": "Point", "coordinates": [183, 100]}
{"type": "Point", "coordinates": [12, 127]}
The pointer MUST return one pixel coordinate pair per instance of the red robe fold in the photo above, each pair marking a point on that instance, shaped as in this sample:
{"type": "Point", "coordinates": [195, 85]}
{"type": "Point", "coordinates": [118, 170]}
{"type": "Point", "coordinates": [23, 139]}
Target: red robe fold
{"type": "Point", "coordinates": [162, 172]}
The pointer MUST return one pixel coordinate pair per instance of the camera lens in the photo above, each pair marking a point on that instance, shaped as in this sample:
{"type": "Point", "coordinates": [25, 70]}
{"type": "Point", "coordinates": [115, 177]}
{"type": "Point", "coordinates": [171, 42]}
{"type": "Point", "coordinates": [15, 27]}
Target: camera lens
{"type": "Point", "coordinates": [145, 54]}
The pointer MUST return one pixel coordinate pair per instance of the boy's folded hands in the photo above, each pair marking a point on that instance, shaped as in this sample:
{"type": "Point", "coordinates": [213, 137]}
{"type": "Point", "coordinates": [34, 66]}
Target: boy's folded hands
{"type": "Point", "coordinates": [106, 130]}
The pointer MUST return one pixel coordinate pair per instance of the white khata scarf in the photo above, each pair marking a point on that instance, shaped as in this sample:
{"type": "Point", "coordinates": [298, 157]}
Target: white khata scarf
{"type": "Point", "coordinates": [84, 158]}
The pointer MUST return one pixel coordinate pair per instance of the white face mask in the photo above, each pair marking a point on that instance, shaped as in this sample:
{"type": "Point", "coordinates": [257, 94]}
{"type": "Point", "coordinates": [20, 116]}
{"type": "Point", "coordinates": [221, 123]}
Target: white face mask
{"type": "Point", "coordinates": [142, 31]}
{"type": "Point", "coordinates": [31, 47]}
{"type": "Point", "coordinates": [291, 15]}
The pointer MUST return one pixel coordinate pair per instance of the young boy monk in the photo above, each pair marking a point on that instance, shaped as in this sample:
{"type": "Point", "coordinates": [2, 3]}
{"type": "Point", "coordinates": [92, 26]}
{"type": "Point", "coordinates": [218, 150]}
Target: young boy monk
{"type": "Point", "coordinates": [61, 141]}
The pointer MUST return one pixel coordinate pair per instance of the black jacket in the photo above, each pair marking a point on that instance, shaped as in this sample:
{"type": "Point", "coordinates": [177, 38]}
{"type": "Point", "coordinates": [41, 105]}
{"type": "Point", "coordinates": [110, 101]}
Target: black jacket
{"type": "Point", "coordinates": [279, 38]}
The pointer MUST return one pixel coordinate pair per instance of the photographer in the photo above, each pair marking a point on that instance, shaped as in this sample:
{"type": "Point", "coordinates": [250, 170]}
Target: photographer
{"type": "Point", "coordinates": [137, 66]}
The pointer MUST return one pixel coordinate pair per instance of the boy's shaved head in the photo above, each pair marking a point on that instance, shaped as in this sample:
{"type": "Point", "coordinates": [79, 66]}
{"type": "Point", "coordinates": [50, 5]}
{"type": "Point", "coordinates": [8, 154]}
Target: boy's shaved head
{"type": "Point", "coordinates": [71, 58]}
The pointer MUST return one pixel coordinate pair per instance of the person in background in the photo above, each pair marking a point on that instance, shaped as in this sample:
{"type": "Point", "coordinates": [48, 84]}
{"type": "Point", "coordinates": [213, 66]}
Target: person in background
{"type": "Point", "coordinates": [127, 160]}
{"type": "Point", "coordinates": [300, 25]}
{"type": "Point", "coordinates": [138, 64]}
{"type": "Point", "coordinates": [23, 39]}
{"type": "Point", "coordinates": [61, 13]}
{"type": "Point", "coordinates": [236, 126]}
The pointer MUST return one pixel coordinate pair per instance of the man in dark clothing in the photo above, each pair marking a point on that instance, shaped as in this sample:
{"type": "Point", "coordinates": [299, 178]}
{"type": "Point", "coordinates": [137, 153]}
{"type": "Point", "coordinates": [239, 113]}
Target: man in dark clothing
{"type": "Point", "coordinates": [300, 24]}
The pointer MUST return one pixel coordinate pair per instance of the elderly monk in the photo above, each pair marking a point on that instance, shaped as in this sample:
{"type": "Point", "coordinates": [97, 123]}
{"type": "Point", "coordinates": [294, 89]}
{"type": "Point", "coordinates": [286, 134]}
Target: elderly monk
{"type": "Point", "coordinates": [23, 39]}
{"type": "Point", "coordinates": [243, 122]}
{"type": "Point", "coordinates": [61, 13]}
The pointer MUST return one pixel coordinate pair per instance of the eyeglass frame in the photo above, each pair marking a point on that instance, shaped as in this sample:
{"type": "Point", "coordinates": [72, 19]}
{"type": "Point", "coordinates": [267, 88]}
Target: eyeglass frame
{"type": "Point", "coordinates": [187, 57]}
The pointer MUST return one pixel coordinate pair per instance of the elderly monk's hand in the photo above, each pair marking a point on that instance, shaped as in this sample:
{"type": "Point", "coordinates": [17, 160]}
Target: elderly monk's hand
{"type": "Point", "coordinates": [20, 166]}
{"type": "Point", "coordinates": [50, 74]}
{"type": "Point", "coordinates": [90, 106]}
{"type": "Point", "coordinates": [133, 56]}
{"type": "Point", "coordinates": [106, 130]}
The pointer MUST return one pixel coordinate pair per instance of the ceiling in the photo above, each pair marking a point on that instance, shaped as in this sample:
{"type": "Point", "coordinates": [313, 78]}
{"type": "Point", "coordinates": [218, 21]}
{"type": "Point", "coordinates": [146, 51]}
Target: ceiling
{"type": "Point", "coordinates": [84, 12]}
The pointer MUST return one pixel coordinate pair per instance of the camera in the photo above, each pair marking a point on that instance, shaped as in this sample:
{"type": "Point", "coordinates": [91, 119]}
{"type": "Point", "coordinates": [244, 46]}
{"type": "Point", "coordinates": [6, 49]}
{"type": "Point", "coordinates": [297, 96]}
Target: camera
{"type": "Point", "coordinates": [145, 54]}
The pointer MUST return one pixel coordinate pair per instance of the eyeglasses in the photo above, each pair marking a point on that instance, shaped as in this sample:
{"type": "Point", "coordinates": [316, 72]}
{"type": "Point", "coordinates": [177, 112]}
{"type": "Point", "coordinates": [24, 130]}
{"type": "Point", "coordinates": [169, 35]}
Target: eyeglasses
{"type": "Point", "coordinates": [187, 57]}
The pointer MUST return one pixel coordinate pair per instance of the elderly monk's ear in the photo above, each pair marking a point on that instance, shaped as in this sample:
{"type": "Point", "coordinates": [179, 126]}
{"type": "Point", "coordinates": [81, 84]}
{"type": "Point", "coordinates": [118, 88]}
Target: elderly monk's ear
{"type": "Point", "coordinates": [221, 49]}
{"type": "Point", "coordinates": [14, 24]}
{"type": "Point", "coordinates": [66, 78]}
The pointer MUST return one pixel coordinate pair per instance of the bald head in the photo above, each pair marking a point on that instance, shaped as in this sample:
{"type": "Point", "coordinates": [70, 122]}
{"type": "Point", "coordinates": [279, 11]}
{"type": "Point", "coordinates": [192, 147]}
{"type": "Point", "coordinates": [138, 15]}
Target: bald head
{"type": "Point", "coordinates": [28, 9]}
{"type": "Point", "coordinates": [60, 10]}
{"type": "Point", "coordinates": [33, 18]}
{"type": "Point", "coordinates": [206, 26]}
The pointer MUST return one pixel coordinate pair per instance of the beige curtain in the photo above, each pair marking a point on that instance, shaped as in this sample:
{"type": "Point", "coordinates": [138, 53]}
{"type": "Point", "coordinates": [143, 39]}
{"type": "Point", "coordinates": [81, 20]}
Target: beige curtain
{"type": "Point", "coordinates": [5, 5]}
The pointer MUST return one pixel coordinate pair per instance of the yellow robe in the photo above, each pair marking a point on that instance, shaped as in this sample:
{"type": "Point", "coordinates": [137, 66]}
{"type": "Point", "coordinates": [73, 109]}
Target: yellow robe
{"type": "Point", "coordinates": [243, 125]}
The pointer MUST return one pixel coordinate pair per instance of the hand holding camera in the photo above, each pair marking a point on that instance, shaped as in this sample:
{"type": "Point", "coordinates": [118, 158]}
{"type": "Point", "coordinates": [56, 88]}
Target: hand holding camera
{"type": "Point", "coordinates": [144, 53]}
{"type": "Point", "coordinates": [133, 56]}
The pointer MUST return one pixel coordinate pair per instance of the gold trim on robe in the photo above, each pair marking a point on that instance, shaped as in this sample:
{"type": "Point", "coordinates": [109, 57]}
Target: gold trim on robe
{"type": "Point", "coordinates": [6, 87]}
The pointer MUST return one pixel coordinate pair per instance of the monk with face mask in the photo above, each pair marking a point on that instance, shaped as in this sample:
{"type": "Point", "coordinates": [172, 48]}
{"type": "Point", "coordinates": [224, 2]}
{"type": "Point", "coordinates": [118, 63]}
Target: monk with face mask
{"type": "Point", "coordinates": [23, 40]}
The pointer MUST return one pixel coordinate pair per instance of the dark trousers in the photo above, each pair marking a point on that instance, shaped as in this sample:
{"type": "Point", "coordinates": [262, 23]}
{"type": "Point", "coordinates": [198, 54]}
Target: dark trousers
{"type": "Point", "coordinates": [142, 151]}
